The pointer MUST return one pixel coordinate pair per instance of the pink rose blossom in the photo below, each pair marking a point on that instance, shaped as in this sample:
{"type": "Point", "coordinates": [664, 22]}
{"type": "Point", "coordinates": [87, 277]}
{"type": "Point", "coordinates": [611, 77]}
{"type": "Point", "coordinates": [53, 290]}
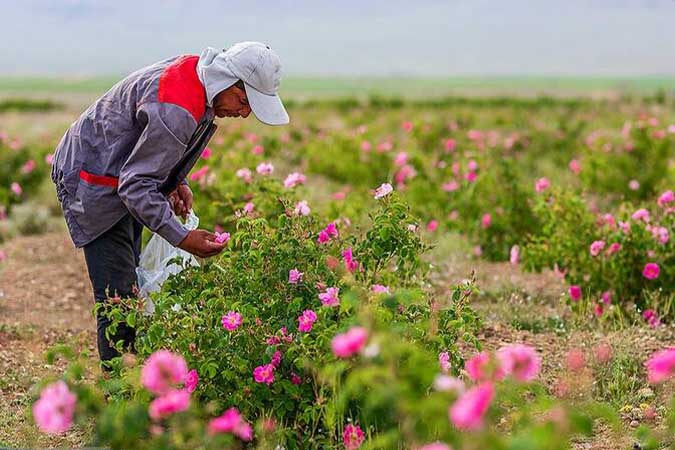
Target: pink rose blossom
{"type": "Point", "coordinates": [401, 159]}
{"type": "Point", "coordinates": [328, 233]}
{"type": "Point", "coordinates": [206, 153]}
{"type": "Point", "coordinates": [248, 208]}
{"type": "Point", "coordinates": [479, 369]}
{"type": "Point", "coordinates": [519, 361]}
{"type": "Point", "coordinates": [575, 293]}
{"type": "Point", "coordinates": [445, 383]}
{"type": "Point", "coordinates": [199, 174]}
{"type": "Point", "coordinates": [542, 184]}
{"type": "Point", "coordinates": [450, 186]}
{"type": "Point", "coordinates": [245, 175]}
{"type": "Point", "coordinates": [666, 198]}
{"type": "Point", "coordinates": [470, 177]}
{"type": "Point", "coordinates": [306, 321]}
{"type": "Point", "coordinates": [661, 365]}
{"type": "Point", "coordinates": [596, 247]}
{"type": "Point", "coordinates": [294, 276]}
{"type": "Point", "coordinates": [633, 185]}
{"type": "Point", "coordinates": [222, 238]}
{"type": "Point", "coordinates": [352, 437]}
{"type": "Point", "coordinates": [486, 221]}
{"type": "Point", "coordinates": [444, 361]}
{"type": "Point", "coordinates": [258, 150]}
{"type": "Point", "coordinates": [330, 297]}
{"type": "Point", "coordinates": [265, 168]}
{"type": "Point", "coordinates": [276, 359]}
{"type": "Point", "coordinates": [294, 179]}
{"type": "Point", "coordinates": [661, 234]}
{"type": "Point", "coordinates": [575, 166]}
{"type": "Point", "coordinates": [651, 317]}
{"type": "Point", "coordinates": [28, 166]}
{"type": "Point", "coordinates": [598, 309]}
{"type": "Point", "coordinates": [347, 344]}
{"type": "Point", "coordinates": [514, 256]}
{"type": "Point", "coordinates": [231, 422]}
{"type": "Point", "coordinates": [350, 263]}
{"type": "Point", "coordinates": [173, 401]}
{"type": "Point", "coordinates": [15, 188]}
{"type": "Point", "coordinates": [613, 248]}
{"type": "Point", "coordinates": [407, 126]}
{"type": "Point", "coordinates": [49, 158]}
{"type": "Point", "coordinates": [432, 225]}
{"type": "Point", "coordinates": [450, 145]}
{"type": "Point", "coordinates": [606, 297]}
{"type": "Point", "coordinates": [380, 289]}
{"type": "Point", "coordinates": [162, 370]}
{"type": "Point", "coordinates": [295, 378]}
{"type": "Point", "coordinates": [651, 271]}
{"type": "Point", "coordinates": [191, 380]}
{"type": "Point", "coordinates": [609, 220]}
{"type": "Point", "coordinates": [435, 446]}
{"type": "Point", "coordinates": [302, 208]}
{"type": "Point", "coordinates": [641, 214]}
{"type": "Point", "coordinates": [406, 172]}
{"type": "Point", "coordinates": [472, 166]}
{"type": "Point", "coordinates": [625, 227]}
{"type": "Point", "coordinates": [53, 412]}
{"type": "Point", "coordinates": [366, 146]}
{"type": "Point", "coordinates": [264, 374]}
{"type": "Point", "coordinates": [468, 411]}
{"type": "Point", "coordinates": [232, 320]}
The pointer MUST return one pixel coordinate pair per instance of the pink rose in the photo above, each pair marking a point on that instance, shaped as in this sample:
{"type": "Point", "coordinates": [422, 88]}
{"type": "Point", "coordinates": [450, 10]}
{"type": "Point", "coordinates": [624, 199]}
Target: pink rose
{"type": "Point", "coordinates": [162, 370]}
{"type": "Point", "coordinates": [53, 412]}
{"type": "Point", "coordinates": [468, 411]}
{"type": "Point", "coordinates": [347, 344]}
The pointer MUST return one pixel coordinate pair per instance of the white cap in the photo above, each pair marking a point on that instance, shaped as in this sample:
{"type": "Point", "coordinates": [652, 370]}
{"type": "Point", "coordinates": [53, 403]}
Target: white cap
{"type": "Point", "coordinates": [259, 68]}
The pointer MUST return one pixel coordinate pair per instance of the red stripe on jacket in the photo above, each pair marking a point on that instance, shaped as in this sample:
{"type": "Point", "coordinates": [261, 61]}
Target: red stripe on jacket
{"type": "Point", "coordinates": [179, 84]}
{"type": "Point", "coordinates": [98, 180]}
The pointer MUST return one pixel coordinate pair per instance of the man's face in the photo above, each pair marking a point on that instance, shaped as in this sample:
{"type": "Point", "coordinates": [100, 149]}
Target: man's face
{"type": "Point", "coordinates": [232, 102]}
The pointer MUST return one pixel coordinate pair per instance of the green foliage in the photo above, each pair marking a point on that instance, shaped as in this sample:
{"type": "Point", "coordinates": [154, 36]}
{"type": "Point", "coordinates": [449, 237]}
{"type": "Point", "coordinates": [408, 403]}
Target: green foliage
{"type": "Point", "coordinates": [567, 232]}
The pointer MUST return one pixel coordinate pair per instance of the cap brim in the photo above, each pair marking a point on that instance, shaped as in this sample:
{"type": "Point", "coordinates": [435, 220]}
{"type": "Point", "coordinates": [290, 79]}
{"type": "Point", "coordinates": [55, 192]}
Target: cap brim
{"type": "Point", "coordinates": [267, 108]}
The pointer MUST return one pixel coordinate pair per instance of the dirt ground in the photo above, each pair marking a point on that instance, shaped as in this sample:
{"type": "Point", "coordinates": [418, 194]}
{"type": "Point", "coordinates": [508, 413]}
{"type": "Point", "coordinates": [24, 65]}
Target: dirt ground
{"type": "Point", "coordinates": [45, 298]}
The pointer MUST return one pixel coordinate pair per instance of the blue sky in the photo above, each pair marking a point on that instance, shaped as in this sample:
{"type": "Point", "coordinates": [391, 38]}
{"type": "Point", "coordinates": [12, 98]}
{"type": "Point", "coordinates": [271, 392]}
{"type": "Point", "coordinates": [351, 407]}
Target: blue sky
{"type": "Point", "coordinates": [348, 37]}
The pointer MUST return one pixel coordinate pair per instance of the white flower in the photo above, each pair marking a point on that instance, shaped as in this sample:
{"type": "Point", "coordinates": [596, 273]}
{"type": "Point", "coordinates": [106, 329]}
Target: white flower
{"type": "Point", "coordinates": [384, 190]}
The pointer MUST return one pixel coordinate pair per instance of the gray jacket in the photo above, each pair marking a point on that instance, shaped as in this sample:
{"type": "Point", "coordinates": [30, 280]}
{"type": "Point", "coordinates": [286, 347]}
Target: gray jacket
{"type": "Point", "coordinates": [116, 158]}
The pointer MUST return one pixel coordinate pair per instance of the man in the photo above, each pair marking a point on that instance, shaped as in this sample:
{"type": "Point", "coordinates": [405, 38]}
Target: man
{"type": "Point", "coordinates": [122, 165]}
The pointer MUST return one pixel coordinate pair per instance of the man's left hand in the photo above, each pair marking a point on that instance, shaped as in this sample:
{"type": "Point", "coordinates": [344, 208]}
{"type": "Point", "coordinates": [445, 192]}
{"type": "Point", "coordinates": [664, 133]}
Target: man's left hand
{"type": "Point", "coordinates": [181, 200]}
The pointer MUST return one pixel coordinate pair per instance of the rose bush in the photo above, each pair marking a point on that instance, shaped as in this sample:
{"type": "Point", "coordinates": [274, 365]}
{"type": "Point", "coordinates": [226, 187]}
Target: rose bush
{"type": "Point", "coordinates": [626, 260]}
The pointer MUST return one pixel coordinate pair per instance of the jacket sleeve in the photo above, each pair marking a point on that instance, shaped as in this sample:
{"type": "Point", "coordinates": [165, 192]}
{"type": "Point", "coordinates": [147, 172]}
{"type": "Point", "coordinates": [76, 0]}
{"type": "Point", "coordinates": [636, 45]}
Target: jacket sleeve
{"type": "Point", "coordinates": [162, 143]}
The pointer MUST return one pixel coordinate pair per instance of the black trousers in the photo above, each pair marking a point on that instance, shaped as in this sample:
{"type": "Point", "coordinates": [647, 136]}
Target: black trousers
{"type": "Point", "coordinates": [112, 259]}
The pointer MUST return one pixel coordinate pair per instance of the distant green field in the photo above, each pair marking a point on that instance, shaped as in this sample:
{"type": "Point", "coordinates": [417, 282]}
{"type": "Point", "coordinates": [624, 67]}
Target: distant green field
{"type": "Point", "coordinates": [312, 87]}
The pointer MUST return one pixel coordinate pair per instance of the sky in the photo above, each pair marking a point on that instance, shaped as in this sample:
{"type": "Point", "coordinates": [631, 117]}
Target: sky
{"type": "Point", "coordinates": [347, 37]}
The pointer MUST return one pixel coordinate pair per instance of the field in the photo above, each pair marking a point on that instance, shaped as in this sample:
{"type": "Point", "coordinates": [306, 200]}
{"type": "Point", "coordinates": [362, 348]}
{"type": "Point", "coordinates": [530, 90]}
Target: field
{"type": "Point", "coordinates": [522, 211]}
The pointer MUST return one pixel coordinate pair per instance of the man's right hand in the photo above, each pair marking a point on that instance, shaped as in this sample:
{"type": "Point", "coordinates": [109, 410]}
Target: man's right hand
{"type": "Point", "coordinates": [201, 243]}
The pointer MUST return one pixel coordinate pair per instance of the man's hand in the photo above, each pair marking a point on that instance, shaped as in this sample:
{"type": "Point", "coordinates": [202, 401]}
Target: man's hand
{"type": "Point", "coordinates": [181, 200]}
{"type": "Point", "coordinates": [201, 243]}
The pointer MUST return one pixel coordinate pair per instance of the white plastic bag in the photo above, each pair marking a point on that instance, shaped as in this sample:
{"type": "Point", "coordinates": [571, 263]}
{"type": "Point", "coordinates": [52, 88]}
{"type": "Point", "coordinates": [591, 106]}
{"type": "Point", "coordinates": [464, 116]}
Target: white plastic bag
{"type": "Point", "coordinates": [154, 267]}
